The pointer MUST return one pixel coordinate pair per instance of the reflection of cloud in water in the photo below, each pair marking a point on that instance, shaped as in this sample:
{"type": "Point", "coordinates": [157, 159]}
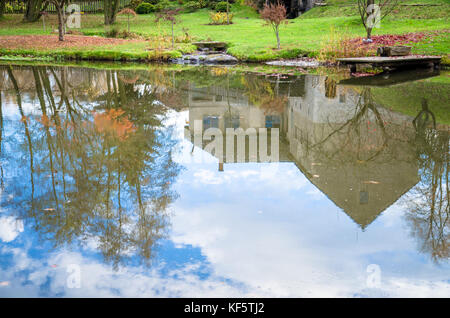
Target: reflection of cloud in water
{"type": "Point", "coordinates": [10, 228]}
{"type": "Point", "coordinates": [296, 247]}
{"type": "Point", "coordinates": [256, 229]}
{"type": "Point", "coordinates": [48, 277]}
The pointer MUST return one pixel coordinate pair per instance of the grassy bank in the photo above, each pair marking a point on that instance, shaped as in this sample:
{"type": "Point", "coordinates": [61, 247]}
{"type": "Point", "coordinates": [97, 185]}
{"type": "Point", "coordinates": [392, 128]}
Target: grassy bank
{"type": "Point", "coordinates": [248, 39]}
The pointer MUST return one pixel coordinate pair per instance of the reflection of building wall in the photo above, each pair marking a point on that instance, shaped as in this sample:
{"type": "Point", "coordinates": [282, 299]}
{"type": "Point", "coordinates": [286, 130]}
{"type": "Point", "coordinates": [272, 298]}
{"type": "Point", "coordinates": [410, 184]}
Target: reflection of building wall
{"type": "Point", "coordinates": [345, 151]}
{"type": "Point", "coordinates": [230, 107]}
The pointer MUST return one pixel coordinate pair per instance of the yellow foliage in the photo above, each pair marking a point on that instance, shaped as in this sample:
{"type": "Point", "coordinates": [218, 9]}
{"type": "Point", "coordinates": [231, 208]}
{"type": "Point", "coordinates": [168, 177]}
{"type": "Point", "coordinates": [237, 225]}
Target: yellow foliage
{"type": "Point", "coordinates": [220, 17]}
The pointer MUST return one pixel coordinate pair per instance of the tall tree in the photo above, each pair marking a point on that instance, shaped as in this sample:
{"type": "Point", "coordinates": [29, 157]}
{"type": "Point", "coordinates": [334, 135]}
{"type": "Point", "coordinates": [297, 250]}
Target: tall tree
{"type": "Point", "coordinates": [110, 8]}
{"type": "Point", "coordinates": [33, 10]}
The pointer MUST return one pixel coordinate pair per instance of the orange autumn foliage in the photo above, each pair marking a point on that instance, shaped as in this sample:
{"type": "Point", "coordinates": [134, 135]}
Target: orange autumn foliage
{"type": "Point", "coordinates": [112, 123]}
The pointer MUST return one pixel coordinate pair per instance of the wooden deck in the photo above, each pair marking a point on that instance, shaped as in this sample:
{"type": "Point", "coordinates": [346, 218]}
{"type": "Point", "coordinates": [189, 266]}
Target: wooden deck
{"type": "Point", "coordinates": [391, 63]}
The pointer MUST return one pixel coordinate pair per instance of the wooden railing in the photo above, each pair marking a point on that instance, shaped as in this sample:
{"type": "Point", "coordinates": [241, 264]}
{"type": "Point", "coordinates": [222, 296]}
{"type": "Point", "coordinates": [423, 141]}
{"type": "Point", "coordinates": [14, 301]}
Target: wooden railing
{"type": "Point", "coordinates": [86, 6]}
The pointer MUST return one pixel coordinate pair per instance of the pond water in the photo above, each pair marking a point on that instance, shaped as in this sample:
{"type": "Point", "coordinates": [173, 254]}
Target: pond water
{"type": "Point", "coordinates": [139, 183]}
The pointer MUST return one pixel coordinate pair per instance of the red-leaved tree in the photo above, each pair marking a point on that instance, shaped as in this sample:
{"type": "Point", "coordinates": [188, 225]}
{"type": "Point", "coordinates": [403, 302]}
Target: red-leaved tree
{"type": "Point", "coordinates": [274, 15]}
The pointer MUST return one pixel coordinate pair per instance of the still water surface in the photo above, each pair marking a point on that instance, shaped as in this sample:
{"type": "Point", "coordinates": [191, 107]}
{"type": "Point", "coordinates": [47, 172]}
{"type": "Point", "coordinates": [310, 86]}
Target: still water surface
{"type": "Point", "coordinates": [103, 191]}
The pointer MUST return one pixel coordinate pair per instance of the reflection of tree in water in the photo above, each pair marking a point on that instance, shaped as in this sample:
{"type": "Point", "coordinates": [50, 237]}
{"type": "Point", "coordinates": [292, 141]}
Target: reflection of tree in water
{"type": "Point", "coordinates": [428, 203]}
{"type": "Point", "coordinates": [100, 175]}
{"type": "Point", "coordinates": [265, 94]}
{"type": "Point", "coordinates": [1, 139]}
{"type": "Point", "coordinates": [361, 138]}
{"type": "Point", "coordinates": [330, 87]}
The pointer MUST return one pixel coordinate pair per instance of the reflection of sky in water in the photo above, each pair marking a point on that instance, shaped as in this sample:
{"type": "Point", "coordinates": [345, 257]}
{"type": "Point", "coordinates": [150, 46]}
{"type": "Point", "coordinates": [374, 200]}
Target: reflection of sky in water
{"type": "Point", "coordinates": [251, 230]}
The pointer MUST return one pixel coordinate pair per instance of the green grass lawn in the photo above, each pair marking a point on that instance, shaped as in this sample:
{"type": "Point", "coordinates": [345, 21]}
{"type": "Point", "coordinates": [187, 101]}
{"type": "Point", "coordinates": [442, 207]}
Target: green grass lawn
{"type": "Point", "coordinates": [250, 40]}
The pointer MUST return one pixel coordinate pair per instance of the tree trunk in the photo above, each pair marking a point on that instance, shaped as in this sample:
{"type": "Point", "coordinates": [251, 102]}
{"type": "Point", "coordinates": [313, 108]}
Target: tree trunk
{"type": "Point", "coordinates": [278, 37]}
{"type": "Point", "coordinates": [369, 12]}
{"type": "Point", "coordinates": [2, 8]}
{"type": "Point", "coordinates": [369, 32]}
{"type": "Point", "coordinates": [228, 12]}
{"type": "Point", "coordinates": [173, 40]}
{"type": "Point", "coordinates": [60, 22]}
{"type": "Point", "coordinates": [111, 7]}
{"type": "Point", "coordinates": [34, 9]}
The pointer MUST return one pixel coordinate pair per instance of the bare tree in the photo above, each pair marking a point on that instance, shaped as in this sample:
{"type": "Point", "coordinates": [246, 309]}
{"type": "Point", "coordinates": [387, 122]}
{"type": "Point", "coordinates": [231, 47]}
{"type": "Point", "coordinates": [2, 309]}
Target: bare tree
{"type": "Point", "coordinates": [59, 5]}
{"type": "Point", "coordinates": [274, 15]}
{"type": "Point", "coordinates": [129, 13]}
{"type": "Point", "coordinates": [169, 15]}
{"type": "Point", "coordinates": [373, 11]}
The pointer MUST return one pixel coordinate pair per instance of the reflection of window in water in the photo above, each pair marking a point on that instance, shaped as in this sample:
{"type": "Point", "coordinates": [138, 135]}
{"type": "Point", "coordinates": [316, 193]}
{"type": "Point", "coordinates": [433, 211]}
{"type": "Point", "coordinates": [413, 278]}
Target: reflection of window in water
{"type": "Point", "coordinates": [210, 122]}
{"type": "Point", "coordinates": [232, 122]}
{"type": "Point", "coordinates": [272, 121]}
{"type": "Point", "coordinates": [363, 197]}
{"type": "Point", "coordinates": [342, 98]}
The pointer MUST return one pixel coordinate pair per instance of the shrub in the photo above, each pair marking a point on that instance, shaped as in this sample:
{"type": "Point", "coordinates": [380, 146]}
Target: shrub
{"type": "Point", "coordinates": [220, 17]}
{"type": "Point", "coordinates": [154, 2]}
{"type": "Point", "coordinates": [192, 6]}
{"type": "Point", "coordinates": [337, 44]}
{"type": "Point", "coordinates": [222, 6]}
{"type": "Point", "coordinates": [145, 8]}
{"type": "Point", "coordinates": [165, 4]}
{"type": "Point", "coordinates": [212, 3]}
{"type": "Point", "coordinates": [113, 33]}
{"type": "Point", "coordinates": [134, 4]}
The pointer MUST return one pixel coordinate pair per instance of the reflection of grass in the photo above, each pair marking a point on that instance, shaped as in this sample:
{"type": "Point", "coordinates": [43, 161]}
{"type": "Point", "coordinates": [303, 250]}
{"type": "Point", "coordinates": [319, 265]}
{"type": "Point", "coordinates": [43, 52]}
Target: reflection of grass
{"type": "Point", "coordinates": [407, 97]}
{"type": "Point", "coordinates": [249, 40]}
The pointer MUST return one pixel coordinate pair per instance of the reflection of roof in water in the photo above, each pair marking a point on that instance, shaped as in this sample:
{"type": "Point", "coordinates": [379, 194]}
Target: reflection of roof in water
{"type": "Point", "coordinates": [363, 192]}
{"type": "Point", "coordinates": [362, 169]}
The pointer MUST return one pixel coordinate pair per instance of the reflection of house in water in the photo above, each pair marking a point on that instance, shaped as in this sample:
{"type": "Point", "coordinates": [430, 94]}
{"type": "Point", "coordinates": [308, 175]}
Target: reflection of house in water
{"type": "Point", "coordinates": [356, 153]}
{"type": "Point", "coordinates": [362, 162]}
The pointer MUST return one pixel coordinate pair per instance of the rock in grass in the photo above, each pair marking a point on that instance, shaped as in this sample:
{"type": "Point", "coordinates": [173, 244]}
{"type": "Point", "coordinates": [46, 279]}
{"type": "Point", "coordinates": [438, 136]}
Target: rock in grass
{"type": "Point", "coordinates": [210, 59]}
